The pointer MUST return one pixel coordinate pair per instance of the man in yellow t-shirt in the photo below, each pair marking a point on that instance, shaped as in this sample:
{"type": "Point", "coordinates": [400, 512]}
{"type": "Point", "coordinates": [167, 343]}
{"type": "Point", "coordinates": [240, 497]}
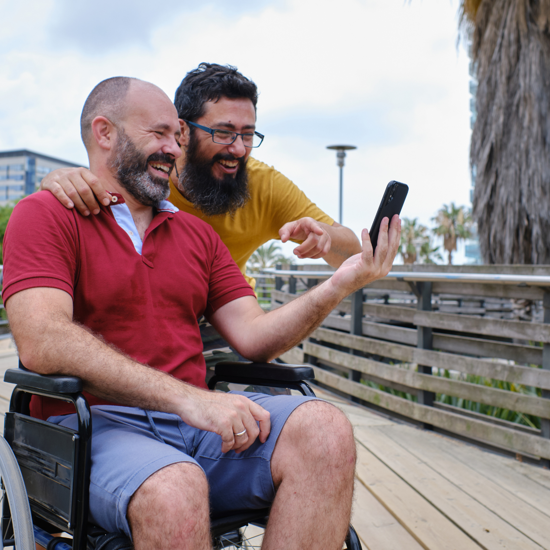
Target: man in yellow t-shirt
{"type": "Point", "coordinates": [247, 202]}
{"type": "Point", "coordinates": [274, 200]}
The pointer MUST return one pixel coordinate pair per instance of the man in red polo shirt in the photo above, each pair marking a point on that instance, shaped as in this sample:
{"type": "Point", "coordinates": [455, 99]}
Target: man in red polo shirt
{"type": "Point", "coordinates": [114, 299]}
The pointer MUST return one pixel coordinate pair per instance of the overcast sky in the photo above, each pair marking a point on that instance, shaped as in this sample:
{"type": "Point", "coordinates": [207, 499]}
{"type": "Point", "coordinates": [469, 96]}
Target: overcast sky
{"type": "Point", "coordinates": [384, 75]}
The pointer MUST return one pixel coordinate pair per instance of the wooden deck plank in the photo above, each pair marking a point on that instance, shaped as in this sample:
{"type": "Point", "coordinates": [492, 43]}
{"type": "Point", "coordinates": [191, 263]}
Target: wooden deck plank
{"type": "Point", "coordinates": [480, 523]}
{"type": "Point", "coordinates": [536, 474]}
{"type": "Point", "coordinates": [376, 527]}
{"type": "Point", "coordinates": [427, 525]}
{"type": "Point", "coordinates": [485, 470]}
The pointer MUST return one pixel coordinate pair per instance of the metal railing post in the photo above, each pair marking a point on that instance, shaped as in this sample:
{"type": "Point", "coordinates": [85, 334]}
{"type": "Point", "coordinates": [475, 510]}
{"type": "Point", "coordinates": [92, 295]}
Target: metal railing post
{"type": "Point", "coordinates": [312, 282]}
{"type": "Point", "coordinates": [292, 280]}
{"type": "Point", "coordinates": [356, 329]}
{"type": "Point", "coordinates": [424, 341]}
{"type": "Point", "coordinates": [278, 280]}
{"type": "Point", "coordinates": [545, 422]}
{"type": "Point", "coordinates": [311, 359]}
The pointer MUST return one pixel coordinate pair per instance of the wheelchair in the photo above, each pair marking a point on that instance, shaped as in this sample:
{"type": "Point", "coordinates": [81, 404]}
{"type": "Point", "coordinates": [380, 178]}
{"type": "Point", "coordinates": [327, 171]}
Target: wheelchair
{"type": "Point", "coordinates": [45, 468]}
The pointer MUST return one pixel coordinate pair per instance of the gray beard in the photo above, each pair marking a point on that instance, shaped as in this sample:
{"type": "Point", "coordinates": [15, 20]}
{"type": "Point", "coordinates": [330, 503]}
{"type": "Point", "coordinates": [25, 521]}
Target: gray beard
{"type": "Point", "coordinates": [130, 167]}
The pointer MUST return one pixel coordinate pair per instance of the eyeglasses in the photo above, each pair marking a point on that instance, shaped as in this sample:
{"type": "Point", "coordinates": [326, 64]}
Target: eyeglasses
{"type": "Point", "coordinates": [226, 137]}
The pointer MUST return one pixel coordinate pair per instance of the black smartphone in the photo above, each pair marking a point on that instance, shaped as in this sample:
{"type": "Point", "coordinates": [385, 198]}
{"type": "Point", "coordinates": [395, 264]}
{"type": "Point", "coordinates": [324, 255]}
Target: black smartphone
{"type": "Point", "coordinates": [391, 204]}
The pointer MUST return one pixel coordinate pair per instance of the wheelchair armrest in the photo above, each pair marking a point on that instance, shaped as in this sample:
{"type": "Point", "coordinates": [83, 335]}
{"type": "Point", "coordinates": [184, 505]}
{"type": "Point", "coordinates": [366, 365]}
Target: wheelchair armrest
{"type": "Point", "coordinates": [263, 371]}
{"type": "Point", "coordinates": [51, 383]}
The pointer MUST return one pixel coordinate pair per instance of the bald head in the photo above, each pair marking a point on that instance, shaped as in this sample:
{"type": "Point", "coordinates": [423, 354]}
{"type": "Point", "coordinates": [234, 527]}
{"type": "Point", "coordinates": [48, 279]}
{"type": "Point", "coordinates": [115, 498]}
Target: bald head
{"type": "Point", "coordinates": [117, 99]}
{"type": "Point", "coordinates": [106, 99]}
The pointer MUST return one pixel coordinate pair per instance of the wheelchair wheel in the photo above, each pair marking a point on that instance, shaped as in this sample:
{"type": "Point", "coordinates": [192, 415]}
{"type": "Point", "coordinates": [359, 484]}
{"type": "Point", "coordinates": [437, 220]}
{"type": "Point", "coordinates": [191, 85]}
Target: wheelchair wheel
{"type": "Point", "coordinates": [352, 540]}
{"type": "Point", "coordinates": [251, 536]}
{"type": "Point", "coordinates": [248, 537]}
{"type": "Point", "coordinates": [16, 520]}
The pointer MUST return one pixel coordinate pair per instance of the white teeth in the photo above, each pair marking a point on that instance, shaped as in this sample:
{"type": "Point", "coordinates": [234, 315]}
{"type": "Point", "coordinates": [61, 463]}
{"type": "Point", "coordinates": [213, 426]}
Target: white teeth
{"type": "Point", "coordinates": [161, 167]}
{"type": "Point", "coordinates": [228, 163]}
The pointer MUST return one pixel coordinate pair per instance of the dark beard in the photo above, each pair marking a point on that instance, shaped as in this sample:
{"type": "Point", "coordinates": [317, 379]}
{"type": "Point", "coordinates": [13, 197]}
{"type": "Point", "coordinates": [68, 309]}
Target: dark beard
{"type": "Point", "coordinates": [211, 195]}
{"type": "Point", "coordinates": [130, 166]}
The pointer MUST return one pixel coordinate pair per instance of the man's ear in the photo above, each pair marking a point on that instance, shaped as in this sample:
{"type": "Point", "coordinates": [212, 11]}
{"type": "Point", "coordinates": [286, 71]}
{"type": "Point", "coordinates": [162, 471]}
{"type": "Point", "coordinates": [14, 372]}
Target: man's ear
{"type": "Point", "coordinates": [104, 132]}
{"type": "Point", "coordinates": [184, 139]}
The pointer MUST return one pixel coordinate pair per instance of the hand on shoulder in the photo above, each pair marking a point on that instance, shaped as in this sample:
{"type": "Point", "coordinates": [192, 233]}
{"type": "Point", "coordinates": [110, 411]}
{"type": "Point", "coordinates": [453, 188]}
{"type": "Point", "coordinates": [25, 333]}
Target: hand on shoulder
{"type": "Point", "coordinates": [76, 188]}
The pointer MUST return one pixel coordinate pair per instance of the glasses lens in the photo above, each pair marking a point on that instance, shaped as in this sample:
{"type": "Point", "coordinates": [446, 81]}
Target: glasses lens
{"type": "Point", "coordinates": [252, 140]}
{"type": "Point", "coordinates": [223, 136]}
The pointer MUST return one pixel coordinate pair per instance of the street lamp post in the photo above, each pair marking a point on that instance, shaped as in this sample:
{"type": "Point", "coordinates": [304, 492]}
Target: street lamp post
{"type": "Point", "coordinates": [340, 156]}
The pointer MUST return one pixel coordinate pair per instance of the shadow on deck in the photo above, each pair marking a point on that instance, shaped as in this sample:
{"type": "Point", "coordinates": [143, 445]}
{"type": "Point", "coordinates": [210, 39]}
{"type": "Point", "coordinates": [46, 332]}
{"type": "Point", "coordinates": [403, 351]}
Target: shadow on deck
{"type": "Point", "coordinates": [417, 489]}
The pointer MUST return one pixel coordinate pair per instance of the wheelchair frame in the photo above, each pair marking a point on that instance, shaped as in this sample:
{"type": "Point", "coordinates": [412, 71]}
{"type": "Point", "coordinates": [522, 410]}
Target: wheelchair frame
{"type": "Point", "coordinates": [54, 461]}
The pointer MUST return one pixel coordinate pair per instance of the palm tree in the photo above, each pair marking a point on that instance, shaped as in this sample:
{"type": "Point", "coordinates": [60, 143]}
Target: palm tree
{"type": "Point", "coordinates": [267, 255]}
{"type": "Point", "coordinates": [510, 147]}
{"type": "Point", "coordinates": [413, 236]}
{"type": "Point", "coordinates": [429, 254]}
{"type": "Point", "coordinates": [453, 224]}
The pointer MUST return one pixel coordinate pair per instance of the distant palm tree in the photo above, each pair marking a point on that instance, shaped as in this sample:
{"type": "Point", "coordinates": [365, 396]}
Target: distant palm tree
{"type": "Point", "coordinates": [267, 255]}
{"type": "Point", "coordinates": [510, 147]}
{"type": "Point", "coordinates": [429, 254]}
{"type": "Point", "coordinates": [413, 236]}
{"type": "Point", "coordinates": [453, 223]}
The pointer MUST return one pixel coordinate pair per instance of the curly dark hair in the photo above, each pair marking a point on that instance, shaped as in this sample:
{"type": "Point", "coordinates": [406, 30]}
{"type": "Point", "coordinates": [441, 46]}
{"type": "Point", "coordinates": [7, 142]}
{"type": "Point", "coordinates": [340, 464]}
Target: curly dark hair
{"type": "Point", "coordinates": [210, 82]}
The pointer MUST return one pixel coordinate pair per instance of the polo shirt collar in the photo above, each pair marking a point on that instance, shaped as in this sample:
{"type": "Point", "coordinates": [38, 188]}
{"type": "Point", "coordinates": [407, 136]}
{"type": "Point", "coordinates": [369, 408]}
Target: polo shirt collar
{"type": "Point", "coordinates": [164, 206]}
{"type": "Point", "coordinates": [124, 219]}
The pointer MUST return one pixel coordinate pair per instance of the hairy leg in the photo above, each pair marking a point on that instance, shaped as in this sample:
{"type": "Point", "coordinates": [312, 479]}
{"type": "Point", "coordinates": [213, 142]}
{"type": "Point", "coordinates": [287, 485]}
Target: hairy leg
{"type": "Point", "coordinates": [313, 467]}
{"type": "Point", "coordinates": [170, 510]}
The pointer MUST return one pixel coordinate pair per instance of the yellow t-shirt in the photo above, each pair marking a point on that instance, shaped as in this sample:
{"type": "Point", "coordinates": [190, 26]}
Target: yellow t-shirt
{"type": "Point", "coordinates": [274, 201]}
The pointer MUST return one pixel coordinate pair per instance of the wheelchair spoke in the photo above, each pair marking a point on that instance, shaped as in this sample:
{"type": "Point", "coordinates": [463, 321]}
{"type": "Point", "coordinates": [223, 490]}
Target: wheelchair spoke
{"type": "Point", "coordinates": [247, 538]}
{"type": "Point", "coordinates": [15, 514]}
{"type": "Point", "coordinates": [5, 529]}
{"type": "Point", "coordinates": [250, 537]}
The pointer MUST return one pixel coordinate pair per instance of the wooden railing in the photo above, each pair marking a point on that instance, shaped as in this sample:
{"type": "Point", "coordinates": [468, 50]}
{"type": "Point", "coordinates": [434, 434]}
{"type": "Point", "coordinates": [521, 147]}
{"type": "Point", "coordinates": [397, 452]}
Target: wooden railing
{"type": "Point", "coordinates": [428, 340]}
{"type": "Point", "coordinates": [265, 283]}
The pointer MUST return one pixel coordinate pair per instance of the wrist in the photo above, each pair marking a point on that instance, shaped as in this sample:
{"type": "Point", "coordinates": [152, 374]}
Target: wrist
{"type": "Point", "coordinates": [183, 401]}
{"type": "Point", "coordinates": [330, 293]}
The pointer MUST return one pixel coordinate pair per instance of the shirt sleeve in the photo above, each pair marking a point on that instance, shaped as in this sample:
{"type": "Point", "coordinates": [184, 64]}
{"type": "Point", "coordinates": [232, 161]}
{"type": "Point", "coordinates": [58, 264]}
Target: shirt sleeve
{"type": "Point", "coordinates": [227, 283]}
{"type": "Point", "coordinates": [290, 203]}
{"type": "Point", "coordinates": [40, 246]}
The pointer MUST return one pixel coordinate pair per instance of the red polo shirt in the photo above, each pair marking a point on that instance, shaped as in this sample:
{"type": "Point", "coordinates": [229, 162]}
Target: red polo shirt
{"type": "Point", "coordinates": [146, 305]}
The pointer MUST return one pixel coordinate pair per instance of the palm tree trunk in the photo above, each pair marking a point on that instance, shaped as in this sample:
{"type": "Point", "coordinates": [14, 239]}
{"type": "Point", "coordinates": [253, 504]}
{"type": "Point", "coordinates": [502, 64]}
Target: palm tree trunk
{"type": "Point", "coordinates": [510, 148]}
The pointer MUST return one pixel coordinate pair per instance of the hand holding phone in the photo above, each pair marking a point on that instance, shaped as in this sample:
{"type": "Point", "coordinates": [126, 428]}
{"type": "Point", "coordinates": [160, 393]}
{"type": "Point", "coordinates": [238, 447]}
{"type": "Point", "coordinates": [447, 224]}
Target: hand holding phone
{"type": "Point", "coordinates": [391, 204]}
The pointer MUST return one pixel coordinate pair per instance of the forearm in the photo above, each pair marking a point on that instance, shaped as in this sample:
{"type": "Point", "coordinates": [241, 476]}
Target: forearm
{"type": "Point", "coordinates": [63, 347]}
{"type": "Point", "coordinates": [260, 336]}
{"type": "Point", "coordinates": [344, 243]}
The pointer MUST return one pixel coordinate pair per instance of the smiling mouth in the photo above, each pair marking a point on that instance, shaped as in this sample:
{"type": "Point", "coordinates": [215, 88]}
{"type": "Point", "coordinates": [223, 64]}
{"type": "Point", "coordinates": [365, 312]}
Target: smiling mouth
{"type": "Point", "coordinates": [229, 164]}
{"type": "Point", "coordinates": [164, 168]}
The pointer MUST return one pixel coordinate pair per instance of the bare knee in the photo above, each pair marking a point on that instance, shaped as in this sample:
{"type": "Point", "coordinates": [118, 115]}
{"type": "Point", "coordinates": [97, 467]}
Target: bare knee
{"type": "Point", "coordinates": [170, 509]}
{"type": "Point", "coordinates": [318, 436]}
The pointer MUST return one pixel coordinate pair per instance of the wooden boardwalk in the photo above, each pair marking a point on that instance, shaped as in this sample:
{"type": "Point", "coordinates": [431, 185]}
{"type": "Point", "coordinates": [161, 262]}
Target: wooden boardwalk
{"type": "Point", "coordinates": [420, 490]}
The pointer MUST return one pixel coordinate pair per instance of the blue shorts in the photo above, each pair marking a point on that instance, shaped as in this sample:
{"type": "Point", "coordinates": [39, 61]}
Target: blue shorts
{"type": "Point", "coordinates": [130, 444]}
